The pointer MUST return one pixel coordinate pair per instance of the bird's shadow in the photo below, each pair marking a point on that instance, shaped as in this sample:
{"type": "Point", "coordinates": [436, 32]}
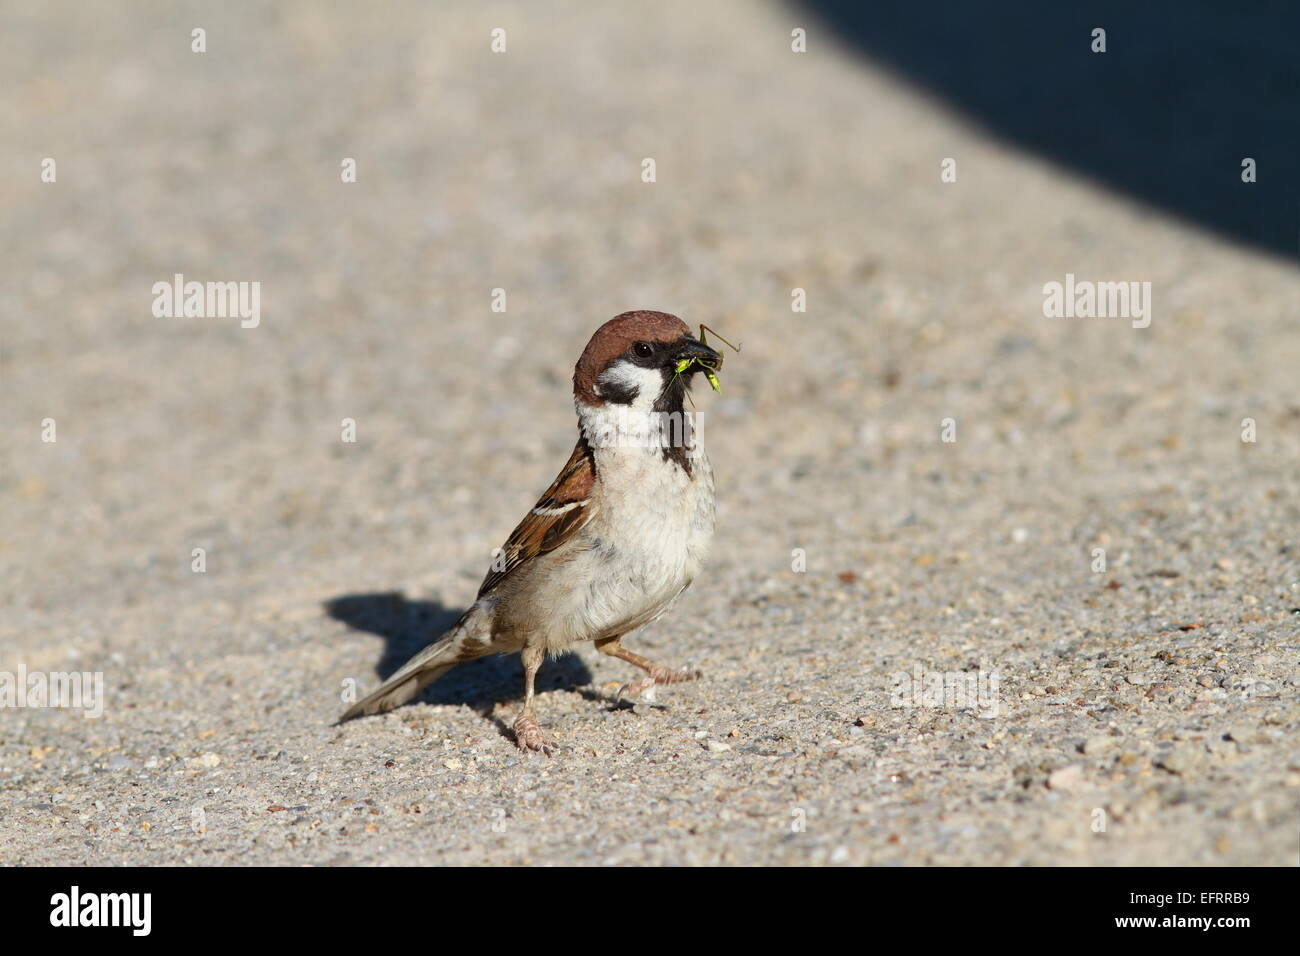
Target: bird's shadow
{"type": "Point", "coordinates": [408, 626]}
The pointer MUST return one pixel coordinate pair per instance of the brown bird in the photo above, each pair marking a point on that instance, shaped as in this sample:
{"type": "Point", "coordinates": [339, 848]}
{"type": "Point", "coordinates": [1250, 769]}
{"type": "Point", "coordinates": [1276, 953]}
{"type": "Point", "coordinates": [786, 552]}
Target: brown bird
{"type": "Point", "coordinates": [609, 546]}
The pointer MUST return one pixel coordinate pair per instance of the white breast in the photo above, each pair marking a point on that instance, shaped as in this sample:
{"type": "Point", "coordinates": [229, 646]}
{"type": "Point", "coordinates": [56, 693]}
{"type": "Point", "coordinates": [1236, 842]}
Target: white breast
{"type": "Point", "coordinates": [645, 543]}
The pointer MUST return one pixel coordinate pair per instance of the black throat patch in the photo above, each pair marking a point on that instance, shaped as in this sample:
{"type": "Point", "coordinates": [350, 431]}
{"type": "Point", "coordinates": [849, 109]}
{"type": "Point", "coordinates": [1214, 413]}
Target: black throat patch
{"type": "Point", "coordinates": [678, 431]}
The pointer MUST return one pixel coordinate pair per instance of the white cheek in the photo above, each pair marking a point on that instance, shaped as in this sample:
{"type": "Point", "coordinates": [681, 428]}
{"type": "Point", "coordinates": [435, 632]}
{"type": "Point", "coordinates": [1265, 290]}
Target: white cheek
{"type": "Point", "coordinates": [648, 382]}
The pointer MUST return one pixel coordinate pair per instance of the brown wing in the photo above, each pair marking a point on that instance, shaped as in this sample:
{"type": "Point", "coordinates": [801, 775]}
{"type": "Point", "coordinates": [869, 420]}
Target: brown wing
{"type": "Point", "coordinates": [558, 514]}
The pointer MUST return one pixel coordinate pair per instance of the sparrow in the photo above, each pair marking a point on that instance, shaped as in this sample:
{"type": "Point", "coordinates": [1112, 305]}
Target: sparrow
{"type": "Point", "coordinates": [621, 532]}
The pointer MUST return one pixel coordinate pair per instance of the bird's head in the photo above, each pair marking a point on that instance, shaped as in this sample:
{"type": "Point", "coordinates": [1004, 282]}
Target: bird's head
{"type": "Point", "coordinates": [642, 360]}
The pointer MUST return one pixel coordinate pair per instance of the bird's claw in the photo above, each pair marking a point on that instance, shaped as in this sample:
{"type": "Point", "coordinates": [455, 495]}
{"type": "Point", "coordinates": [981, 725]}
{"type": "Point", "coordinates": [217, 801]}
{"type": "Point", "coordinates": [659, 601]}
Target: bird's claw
{"type": "Point", "coordinates": [529, 739]}
{"type": "Point", "coordinates": [636, 689]}
{"type": "Point", "coordinates": [660, 675]}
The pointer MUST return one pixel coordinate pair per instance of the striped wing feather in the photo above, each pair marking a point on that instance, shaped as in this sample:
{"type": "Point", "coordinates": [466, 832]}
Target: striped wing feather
{"type": "Point", "coordinates": [558, 514]}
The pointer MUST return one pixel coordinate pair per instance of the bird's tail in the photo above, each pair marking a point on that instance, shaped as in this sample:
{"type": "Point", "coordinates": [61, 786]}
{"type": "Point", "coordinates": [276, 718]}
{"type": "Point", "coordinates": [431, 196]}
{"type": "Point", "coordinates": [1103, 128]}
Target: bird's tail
{"type": "Point", "coordinates": [462, 643]}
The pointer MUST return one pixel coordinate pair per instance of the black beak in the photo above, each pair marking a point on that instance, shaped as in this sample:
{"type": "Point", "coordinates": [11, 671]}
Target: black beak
{"type": "Point", "coordinates": [692, 349]}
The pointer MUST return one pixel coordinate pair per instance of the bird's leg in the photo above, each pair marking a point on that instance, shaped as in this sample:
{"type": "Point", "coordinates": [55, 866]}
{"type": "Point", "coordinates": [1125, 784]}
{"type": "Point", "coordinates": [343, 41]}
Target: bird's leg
{"type": "Point", "coordinates": [528, 736]}
{"type": "Point", "coordinates": [655, 673]}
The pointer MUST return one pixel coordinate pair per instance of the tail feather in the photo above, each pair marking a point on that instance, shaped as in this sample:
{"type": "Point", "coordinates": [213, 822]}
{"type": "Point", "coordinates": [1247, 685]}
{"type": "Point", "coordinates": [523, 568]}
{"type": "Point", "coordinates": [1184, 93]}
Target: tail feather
{"type": "Point", "coordinates": [458, 644]}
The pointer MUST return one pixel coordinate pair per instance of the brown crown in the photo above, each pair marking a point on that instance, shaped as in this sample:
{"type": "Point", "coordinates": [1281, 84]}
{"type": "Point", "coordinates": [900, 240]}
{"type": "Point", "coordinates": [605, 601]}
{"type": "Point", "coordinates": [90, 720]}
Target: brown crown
{"type": "Point", "coordinates": [614, 338]}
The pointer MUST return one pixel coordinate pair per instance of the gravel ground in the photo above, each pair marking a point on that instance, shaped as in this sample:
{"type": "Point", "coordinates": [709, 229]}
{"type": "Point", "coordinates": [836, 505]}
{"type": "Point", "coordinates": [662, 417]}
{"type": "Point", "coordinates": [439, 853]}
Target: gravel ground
{"type": "Point", "coordinates": [1145, 713]}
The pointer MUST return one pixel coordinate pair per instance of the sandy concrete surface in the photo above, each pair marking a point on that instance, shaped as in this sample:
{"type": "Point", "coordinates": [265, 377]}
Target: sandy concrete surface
{"type": "Point", "coordinates": [1145, 713]}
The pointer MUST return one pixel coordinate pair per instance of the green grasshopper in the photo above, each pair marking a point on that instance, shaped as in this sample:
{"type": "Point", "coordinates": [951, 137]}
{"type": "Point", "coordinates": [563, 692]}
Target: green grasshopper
{"type": "Point", "coordinates": [710, 370]}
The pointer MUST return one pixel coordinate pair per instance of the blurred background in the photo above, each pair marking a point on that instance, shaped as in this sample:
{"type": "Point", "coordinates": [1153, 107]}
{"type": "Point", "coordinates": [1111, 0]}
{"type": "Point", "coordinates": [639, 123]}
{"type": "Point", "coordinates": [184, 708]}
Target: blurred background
{"type": "Point", "coordinates": [775, 170]}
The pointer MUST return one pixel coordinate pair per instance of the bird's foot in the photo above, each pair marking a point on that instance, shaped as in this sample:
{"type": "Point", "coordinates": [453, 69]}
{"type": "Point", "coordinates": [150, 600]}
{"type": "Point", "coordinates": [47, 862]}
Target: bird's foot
{"type": "Point", "coordinates": [656, 675]}
{"type": "Point", "coordinates": [528, 737]}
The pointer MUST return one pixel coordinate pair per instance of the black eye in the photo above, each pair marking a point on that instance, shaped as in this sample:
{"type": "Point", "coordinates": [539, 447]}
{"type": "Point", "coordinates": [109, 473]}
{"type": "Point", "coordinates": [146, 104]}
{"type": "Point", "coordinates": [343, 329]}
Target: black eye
{"type": "Point", "coordinates": [642, 350]}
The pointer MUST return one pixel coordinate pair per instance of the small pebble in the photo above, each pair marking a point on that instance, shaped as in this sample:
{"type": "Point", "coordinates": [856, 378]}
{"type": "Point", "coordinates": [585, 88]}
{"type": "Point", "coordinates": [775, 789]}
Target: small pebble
{"type": "Point", "coordinates": [1183, 759]}
{"type": "Point", "coordinates": [1065, 778]}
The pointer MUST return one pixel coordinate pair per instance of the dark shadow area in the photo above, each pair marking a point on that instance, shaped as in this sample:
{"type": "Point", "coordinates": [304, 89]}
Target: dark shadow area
{"type": "Point", "coordinates": [407, 626]}
{"type": "Point", "coordinates": [1184, 92]}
